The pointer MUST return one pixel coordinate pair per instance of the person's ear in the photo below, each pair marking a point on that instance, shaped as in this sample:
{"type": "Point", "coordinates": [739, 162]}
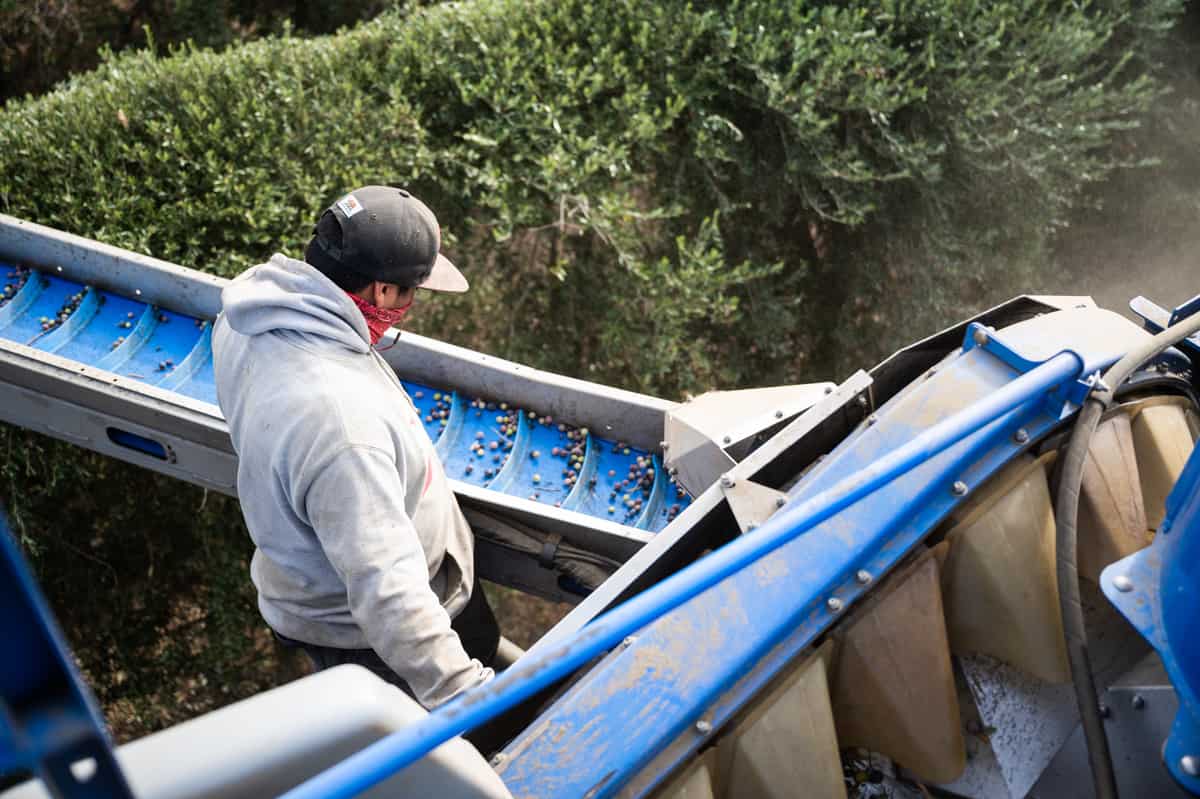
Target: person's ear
{"type": "Point", "coordinates": [379, 294]}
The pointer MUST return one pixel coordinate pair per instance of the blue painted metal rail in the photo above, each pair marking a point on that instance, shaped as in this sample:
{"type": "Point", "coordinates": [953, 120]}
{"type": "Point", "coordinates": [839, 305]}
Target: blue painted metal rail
{"type": "Point", "coordinates": [528, 677]}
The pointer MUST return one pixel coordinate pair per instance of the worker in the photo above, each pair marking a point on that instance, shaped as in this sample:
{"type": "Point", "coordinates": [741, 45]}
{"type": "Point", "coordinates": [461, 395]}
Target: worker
{"type": "Point", "coordinates": [362, 553]}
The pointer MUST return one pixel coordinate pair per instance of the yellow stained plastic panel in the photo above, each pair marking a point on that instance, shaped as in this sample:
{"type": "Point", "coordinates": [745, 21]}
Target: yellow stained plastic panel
{"type": "Point", "coordinates": [697, 781]}
{"type": "Point", "coordinates": [1163, 439]}
{"type": "Point", "coordinates": [787, 746]}
{"type": "Point", "coordinates": [998, 578]}
{"type": "Point", "coordinates": [1112, 515]}
{"type": "Point", "coordinates": [894, 691]}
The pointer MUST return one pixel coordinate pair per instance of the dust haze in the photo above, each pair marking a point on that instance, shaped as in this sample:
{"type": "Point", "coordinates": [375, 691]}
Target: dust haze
{"type": "Point", "coordinates": [1145, 240]}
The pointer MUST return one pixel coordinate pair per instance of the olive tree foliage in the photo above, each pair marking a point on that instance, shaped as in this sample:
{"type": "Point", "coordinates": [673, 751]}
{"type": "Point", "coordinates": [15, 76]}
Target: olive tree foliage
{"type": "Point", "coordinates": [669, 196]}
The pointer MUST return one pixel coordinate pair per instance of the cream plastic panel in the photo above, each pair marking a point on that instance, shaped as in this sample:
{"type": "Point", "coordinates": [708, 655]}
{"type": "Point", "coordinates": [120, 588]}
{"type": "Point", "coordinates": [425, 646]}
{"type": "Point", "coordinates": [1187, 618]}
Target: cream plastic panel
{"type": "Point", "coordinates": [267, 744]}
{"type": "Point", "coordinates": [894, 689]}
{"type": "Point", "coordinates": [1112, 515]}
{"type": "Point", "coordinates": [998, 580]}
{"type": "Point", "coordinates": [787, 746]}
{"type": "Point", "coordinates": [697, 781]}
{"type": "Point", "coordinates": [1163, 439]}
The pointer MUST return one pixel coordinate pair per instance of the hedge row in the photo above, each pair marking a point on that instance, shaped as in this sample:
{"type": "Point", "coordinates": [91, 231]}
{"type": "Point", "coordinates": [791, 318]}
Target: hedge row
{"type": "Point", "coordinates": [636, 188]}
{"type": "Point", "coordinates": [43, 43]}
{"type": "Point", "coordinates": [664, 196]}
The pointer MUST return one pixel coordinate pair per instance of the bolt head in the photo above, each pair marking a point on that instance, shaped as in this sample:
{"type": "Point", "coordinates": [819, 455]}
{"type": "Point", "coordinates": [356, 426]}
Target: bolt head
{"type": "Point", "coordinates": [872, 419]}
{"type": "Point", "coordinates": [834, 604]}
{"type": "Point", "coordinates": [1021, 436]}
{"type": "Point", "coordinates": [862, 400]}
{"type": "Point", "coordinates": [959, 488]}
{"type": "Point", "coordinates": [628, 640]}
{"type": "Point", "coordinates": [779, 503]}
{"type": "Point", "coordinates": [1122, 583]}
{"type": "Point", "coordinates": [863, 576]}
{"type": "Point", "coordinates": [727, 440]}
{"type": "Point", "coordinates": [1138, 702]}
{"type": "Point", "coordinates": [1105, 711]}
{"type": "Point", "coordinates": [727, 481]}
{"type": "Point", "coordinates": [980, 336]}
{"type": "Point", "coordinates": [778, 414]}
{"type": "Point", "coordinates": [498, 759]}
{"type": "Point", "coordinates": [828, 389]}
{"type": "Point", "coordinates": [703, 726]}
{"type": "Point", "coordinates": [1190, 765]}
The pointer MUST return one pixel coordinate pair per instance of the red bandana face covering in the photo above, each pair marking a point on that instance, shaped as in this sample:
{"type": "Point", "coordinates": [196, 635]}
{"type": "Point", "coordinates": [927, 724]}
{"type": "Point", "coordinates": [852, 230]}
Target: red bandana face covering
{"type": "Point", "coordinates": [378, 319]}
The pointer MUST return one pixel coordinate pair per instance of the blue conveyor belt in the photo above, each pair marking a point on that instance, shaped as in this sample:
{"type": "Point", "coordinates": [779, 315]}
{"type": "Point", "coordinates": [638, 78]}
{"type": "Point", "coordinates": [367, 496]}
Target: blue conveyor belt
{"type": "Point", "coordinates": [107, 331]}
{"type": "Point", "coordinates": [481, 441]}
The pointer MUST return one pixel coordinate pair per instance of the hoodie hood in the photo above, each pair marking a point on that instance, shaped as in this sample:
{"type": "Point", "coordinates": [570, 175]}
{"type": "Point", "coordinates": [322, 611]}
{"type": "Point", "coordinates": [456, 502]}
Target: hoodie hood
{"type": "Point", "coordinates": [286, 294]}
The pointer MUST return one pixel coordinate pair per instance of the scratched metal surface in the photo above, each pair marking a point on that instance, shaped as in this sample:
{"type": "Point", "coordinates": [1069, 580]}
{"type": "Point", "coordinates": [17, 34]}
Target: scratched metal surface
{"type": "Point", "coordinates": [646, 696]}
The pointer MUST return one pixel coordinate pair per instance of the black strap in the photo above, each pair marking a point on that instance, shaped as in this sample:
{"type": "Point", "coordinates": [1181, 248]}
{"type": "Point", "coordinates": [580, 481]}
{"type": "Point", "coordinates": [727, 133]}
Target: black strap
{"type": "Point", "coordinates": [549, 550]}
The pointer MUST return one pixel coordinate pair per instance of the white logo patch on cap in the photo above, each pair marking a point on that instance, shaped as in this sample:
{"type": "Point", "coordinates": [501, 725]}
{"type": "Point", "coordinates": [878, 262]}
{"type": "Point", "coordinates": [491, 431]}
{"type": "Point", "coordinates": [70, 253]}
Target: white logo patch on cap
{"type": "Point", "coordinates": [349, 205]}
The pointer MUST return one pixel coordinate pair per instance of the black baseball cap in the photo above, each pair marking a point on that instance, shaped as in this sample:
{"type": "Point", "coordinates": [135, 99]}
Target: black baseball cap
{"type": "Point", "coordinates": [387, 234]}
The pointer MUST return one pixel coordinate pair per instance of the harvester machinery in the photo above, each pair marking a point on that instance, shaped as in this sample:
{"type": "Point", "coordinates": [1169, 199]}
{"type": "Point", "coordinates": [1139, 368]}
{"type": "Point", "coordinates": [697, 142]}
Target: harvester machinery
{"type": "Point", "coordinates": [967, 572]}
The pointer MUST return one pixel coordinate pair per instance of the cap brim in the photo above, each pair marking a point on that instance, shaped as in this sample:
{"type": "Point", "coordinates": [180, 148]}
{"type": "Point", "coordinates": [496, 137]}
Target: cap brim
{"type": "Point", "coordinates": [445, 277]}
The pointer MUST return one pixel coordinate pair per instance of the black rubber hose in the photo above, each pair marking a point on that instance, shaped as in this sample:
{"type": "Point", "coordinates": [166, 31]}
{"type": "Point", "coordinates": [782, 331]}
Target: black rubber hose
{"type": "Point", "coordinates": [1067, 514]}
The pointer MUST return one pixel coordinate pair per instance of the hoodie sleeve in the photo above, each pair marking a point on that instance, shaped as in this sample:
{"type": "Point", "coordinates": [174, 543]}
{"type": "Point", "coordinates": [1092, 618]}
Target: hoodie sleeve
{"type": "Point", "coordinates": [355, 503]}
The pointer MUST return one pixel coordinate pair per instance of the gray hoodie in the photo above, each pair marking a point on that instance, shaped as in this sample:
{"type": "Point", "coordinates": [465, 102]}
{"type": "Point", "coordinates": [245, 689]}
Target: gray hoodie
{"type": "Point", "coordinates": [360, 541]}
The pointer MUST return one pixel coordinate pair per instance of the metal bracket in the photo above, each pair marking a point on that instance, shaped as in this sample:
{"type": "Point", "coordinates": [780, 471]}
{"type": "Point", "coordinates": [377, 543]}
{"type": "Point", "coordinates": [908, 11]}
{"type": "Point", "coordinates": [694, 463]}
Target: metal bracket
{"type": "Point", "coordinates": [752, 503]}
{"type": "Point", "coordinates": [1155, 318]}
{"type": "Point", "coordinates": [980, 337]}
{"type": "Point", "coordinates": [705, 437]}
{"type": "Point", "coordinates": [1189, 308]}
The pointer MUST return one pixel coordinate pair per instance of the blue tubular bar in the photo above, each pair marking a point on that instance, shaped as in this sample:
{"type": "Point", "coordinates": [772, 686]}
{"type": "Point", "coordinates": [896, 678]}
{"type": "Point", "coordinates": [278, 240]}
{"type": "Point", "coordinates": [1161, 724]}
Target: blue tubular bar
{"type": "Point", "coordinates": [388, 756]}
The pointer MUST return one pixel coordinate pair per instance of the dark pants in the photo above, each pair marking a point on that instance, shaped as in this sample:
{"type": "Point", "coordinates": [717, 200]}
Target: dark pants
{"type": "Point", "coordinates": [477, 629]}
